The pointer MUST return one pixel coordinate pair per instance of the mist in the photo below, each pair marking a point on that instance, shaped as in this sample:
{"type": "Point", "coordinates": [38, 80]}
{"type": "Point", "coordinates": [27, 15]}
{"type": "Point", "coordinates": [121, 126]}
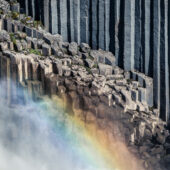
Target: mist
{"type": "Point", "coordinates": [40, 136]}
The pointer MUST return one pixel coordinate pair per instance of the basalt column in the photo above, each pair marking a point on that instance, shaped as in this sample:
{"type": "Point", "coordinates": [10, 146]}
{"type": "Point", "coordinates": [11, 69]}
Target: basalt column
{"type": "Point", "coordinates": [156, 52]}
{"type": "Point", "coordinates": [136, 31]}
{"type": "Point", "coordinates": [129, 34]}
{"type": "Point", "coordinates": [164, 70]}
{"type": "Point", "coordinates": [84, 22]}
{"type": "Point", "coordinates": [46, 14]}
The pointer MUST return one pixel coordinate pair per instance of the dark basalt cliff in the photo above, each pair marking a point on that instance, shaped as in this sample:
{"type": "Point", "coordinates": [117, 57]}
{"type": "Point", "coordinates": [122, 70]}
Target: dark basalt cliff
{"type": "Point", "coordinates": [136, 31]}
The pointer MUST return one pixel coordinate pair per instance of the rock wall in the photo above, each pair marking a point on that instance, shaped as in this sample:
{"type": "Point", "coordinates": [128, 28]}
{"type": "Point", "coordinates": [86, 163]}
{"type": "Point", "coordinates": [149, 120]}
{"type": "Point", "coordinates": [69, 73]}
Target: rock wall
{"type": "Point", "coordinates": [94, 99]}
{"type": "Point", "coordinates": [136, 31]}
{"type": "Point", "coordinates": [88, 83]}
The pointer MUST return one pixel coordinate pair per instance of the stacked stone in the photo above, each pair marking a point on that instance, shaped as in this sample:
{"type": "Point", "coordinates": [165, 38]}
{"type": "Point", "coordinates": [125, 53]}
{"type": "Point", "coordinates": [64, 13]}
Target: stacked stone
{"type": "Point", "coordinates": [103, 99]}
{"type": "Point", "coordinates": [90, 76]}
{"type": "Point", "coordinates": [95, 61]}
{"type": "Point", "coordinates": [48, 44]}
{"type": "Point", "coordinates": [135, 31]}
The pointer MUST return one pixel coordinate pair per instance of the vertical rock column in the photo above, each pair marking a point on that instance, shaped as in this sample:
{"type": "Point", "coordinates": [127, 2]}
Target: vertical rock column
{"type": "Point", "coordinates": [76, 20]}
{"type": "Point", "coordinates": [138, 26]}
{"type": "Point", "coordinates": [146, 29]}
{"type": "Point", "coordinates": [46, 14]}
{"type": "Point", "coordinates": [63, 19]}
{"type": "Point", "coordinates": [101, 16]}
{"type": "Point", "coordinates": [156, 52]}
{"type": "Point", "coordinates": [26, 7]}
{"type": "Point", "coordinates": [70, 20]}
{"type": "Point", "coordinates": [107, 22]}
{"type": "Point", "coordinates": [4, 72]}
{"type": "Point", "coordinates": [8, 81]}
{"type": "Point", "coordinates": [164, 69]}
{"type": "Point", "coordinates": [169, 50]}
{"type": "Point", "coordinates": [84, 23]}
{"type": "Point", "coordinates": [33, 8]}
{"type": "Point", "coordinates": [129, 34]}
{"type": "Point", "coordinates": [14, 76]}
{"type": "Point", "coordinates": [116, 27]}
{"type": "Point", "coordinates": [1, 24]}
{"type": "Point", "coordinates": [94, 24]}
{"type": "Point", "coordinates": [54, 17]}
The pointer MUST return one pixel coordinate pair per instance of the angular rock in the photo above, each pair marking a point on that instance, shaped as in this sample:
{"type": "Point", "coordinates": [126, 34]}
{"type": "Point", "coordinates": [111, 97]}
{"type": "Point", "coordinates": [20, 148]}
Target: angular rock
{"type": "Point", "coordinates": [18, 46]}
{"type": "Point", "coordinates": [85, 48]}
{"type": "Point", "coordinates": [46, 50]}
{"type": "Point", "coordinates": [105, 69]}
{"type": "Point", "coordinates": [48, 38]}
{"type": "Point", "coordinates": [4, 36]}
{"type": "Point", "coordinates": [28, 31]}
{"type": "Point", "coordinates": [73, 48]}
{"type": "Point", "coordinates": [134, 95]}
{"type": "Point", "coordinates": [89, 63]}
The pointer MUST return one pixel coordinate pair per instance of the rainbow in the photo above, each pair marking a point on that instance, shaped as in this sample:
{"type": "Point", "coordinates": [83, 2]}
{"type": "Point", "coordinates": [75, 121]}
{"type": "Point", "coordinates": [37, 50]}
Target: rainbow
{"type": "Point", "coordinates": [86, 143]}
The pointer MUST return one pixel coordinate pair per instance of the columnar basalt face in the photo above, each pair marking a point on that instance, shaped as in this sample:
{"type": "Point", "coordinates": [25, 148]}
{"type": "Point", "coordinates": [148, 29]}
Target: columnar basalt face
{"type": "Point", "coordinates": [87, 81]}
{"type": "Point", "coordinates": [135, 31]}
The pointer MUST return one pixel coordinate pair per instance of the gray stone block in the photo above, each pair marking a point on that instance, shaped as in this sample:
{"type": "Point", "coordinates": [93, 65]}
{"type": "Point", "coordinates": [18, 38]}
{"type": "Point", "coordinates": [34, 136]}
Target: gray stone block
{"type": "Point", "coordinates": [105, 69]}
{"type": "Point", "coordinates": [54, 49]}
{"type": "Point", "coordinates": [14, 27]}
{"type": "Point", "coordinates": [73, 48]}
{"type": "Point", "coordinates": [46, 50]}
{"type": "Point", "coordinates": [133, 75]}
{"type": "Point", "coordinates": [29, 40]}
{"type": "Point", "coordinates": [101, 59]}
{"type": "Point", "coordinates": [89, 63]}
{"type": "Point", "coordinates": [40, 34]}
{"type": "Point", "coordinates": [85, 48]}
{"type": "Point", "coordinates": [127, 75]}
{"type": "Point", "coordinates": [4, 22]}
{"type": "Point", "coordinates": [28, 31]}
{"type": "Point", "coordinates": [34, 43]}
{"type": "Point", "coordinates": [34, 33]}
{"type": "Point", "coordinates": [40, 43]}
{"type": "Point", "coordinates": [48, 38]}
{"type": "Point", "coordinates": [141, 78]}
{"type": "Point", "coordinates": [109, 58]}
{"type": "Point", "coordinates": [149, 91]}
{"type": "Point", "coordinates": [134, 95]}
{"type": "Point", "coordinates": [11, 46]}
{"type": "Point", "coordinates": [142, 95]}
{"type": "Point", "coordinates": [24, 44]}
{"type": "Point", "coordinates": [8, 26]}
{"type": "Point", "coordinates": [21, 27]}
{"type": "Point", "coordinates": [1, 24]}
{"type": "Point", "coordinates": [18, 46]}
